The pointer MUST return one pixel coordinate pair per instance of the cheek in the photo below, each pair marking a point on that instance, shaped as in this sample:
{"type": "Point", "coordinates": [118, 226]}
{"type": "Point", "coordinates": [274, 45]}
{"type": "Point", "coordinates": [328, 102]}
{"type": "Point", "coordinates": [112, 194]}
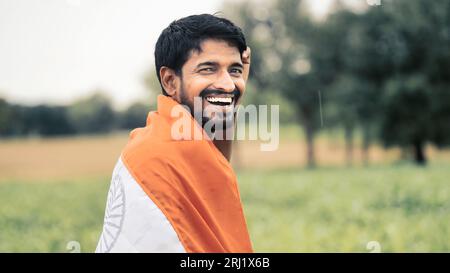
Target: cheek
{"type": "Point", "coordinates": [240, 84]}
{"type": "Point", "coordinates": [196, 85]}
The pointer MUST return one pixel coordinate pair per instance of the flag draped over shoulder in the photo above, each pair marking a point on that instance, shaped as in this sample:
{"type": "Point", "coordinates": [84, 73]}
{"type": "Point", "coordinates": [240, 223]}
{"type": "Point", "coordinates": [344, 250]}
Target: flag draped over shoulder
{"type": "Point", "coordinates": [182, 193]}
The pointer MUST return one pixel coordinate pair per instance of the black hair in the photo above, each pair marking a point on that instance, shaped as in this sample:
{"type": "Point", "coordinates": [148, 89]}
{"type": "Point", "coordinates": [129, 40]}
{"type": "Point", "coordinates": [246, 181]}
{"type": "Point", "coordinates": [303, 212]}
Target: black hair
{"type": "Point", "coordinates": [185, 35]}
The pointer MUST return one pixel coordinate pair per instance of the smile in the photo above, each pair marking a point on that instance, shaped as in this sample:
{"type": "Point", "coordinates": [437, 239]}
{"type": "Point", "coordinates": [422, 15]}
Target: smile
{"type": "Point", "coordinates": [220, 100]}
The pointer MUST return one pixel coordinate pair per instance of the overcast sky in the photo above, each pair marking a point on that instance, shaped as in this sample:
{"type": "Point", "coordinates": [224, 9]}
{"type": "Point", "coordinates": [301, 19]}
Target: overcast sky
{"type": "Point", "coordinates": [53, 51]}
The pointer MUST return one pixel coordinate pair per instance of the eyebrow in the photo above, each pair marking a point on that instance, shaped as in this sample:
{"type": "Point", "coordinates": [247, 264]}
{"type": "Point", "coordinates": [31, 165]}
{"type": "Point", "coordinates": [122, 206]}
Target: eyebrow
{"type": "Point", "coordinates": [236, 64]}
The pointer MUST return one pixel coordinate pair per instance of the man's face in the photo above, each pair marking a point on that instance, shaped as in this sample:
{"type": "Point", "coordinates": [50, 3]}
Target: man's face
{"type": "Point", "coordinates": [214, 76]}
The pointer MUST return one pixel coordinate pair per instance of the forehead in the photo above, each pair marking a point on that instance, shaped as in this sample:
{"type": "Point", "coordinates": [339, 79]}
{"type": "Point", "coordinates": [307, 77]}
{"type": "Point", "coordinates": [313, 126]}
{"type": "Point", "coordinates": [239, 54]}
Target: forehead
{"type": "Point", "coordinates": [214, 51]}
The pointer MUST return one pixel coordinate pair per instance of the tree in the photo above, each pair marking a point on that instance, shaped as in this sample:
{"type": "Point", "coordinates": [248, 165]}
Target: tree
{"type": "Point", "coordinates": [284, 61]}
{"type": "Point", "coordinates": [134, 116]}
{"type": "Point", "coordinates": [5, 117]}
{"type": "Point", "coordinates": [47, 120]}
{"type": "Point", "coordinates": [407, 126]}
{"type": "Point", "coordinates": [417, 104]}
{"type": "Point", "coordinates": [93, 114]}
{"type": "Point", "coordinates": [385, 70]}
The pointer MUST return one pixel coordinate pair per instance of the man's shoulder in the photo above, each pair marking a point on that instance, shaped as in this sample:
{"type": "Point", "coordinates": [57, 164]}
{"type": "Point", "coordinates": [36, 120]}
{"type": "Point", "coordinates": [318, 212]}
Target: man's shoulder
{"type": "Point", "coordinates": [143, 143]}
{"type": "Point", "coordinates": [151, 157]}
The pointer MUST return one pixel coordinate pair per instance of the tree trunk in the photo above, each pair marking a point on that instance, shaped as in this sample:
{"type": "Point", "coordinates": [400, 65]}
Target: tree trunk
{"type": "Point", "coordinates": [309, 131]}
{"type": "Point", "coordinates": [349, 145]}
{"type": "Point", "coordinates": [419, 154]}
{"type": "Point", "coordinates": [365, 146]}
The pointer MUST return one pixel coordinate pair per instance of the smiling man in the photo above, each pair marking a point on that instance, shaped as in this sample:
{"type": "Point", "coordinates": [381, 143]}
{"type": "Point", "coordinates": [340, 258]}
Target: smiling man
{"type": "Point", "coordinates": [179, 194]}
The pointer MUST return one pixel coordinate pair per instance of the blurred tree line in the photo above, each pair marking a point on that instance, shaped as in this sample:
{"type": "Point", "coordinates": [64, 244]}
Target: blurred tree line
{"type": "Point", "coordinates": [90, 115]}
{"type": "Point", "coordinates": [383, 70]}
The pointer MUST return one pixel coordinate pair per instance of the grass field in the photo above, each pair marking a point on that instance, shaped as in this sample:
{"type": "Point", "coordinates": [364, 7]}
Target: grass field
{"type": "Point", "coordinates": [333, 209]}
{"type": "Point", "coordinates": [51, 193]}
{"type": "Point", "coordinates": [403, 208]}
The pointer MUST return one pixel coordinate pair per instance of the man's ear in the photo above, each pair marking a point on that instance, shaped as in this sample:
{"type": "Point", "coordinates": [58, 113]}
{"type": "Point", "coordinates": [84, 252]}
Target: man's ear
{"type": "Point", "coordinates": [170, 81]}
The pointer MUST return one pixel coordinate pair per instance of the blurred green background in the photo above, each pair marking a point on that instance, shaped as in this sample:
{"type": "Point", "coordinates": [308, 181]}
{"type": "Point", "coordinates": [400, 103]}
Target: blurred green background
{"type": "Point", "coordinates": [363, 160]}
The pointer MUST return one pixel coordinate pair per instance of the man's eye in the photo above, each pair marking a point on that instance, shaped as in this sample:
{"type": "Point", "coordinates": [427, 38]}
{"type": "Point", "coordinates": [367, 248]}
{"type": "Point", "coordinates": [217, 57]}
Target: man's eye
{"type": "Point", "coordinates": [236, 71]}
{"type": "Point", "coordinates": [207, 69]}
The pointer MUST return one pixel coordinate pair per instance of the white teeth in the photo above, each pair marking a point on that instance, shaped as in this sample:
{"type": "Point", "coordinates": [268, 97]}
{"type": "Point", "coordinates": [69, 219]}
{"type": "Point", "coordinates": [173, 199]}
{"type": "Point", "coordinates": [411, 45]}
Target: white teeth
{"type": "Point", "coordinates": [217, 99]}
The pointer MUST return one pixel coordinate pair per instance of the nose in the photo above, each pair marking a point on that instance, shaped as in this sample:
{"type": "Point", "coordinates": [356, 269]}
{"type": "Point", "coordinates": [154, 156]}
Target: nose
{"type": "Point", "coordinates": [224, 82]}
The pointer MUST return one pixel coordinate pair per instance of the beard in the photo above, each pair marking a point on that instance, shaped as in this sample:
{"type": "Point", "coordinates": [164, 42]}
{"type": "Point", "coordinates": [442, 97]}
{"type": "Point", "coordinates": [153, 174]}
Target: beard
{"type": "Point", "coordinates": [212, 117]}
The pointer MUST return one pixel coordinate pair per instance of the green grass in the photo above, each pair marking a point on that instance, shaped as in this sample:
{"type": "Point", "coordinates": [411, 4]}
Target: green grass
{"type": "Point", "coordinates": [46, 216]}
{"type": "Point", "coordinates": [403, 207]}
